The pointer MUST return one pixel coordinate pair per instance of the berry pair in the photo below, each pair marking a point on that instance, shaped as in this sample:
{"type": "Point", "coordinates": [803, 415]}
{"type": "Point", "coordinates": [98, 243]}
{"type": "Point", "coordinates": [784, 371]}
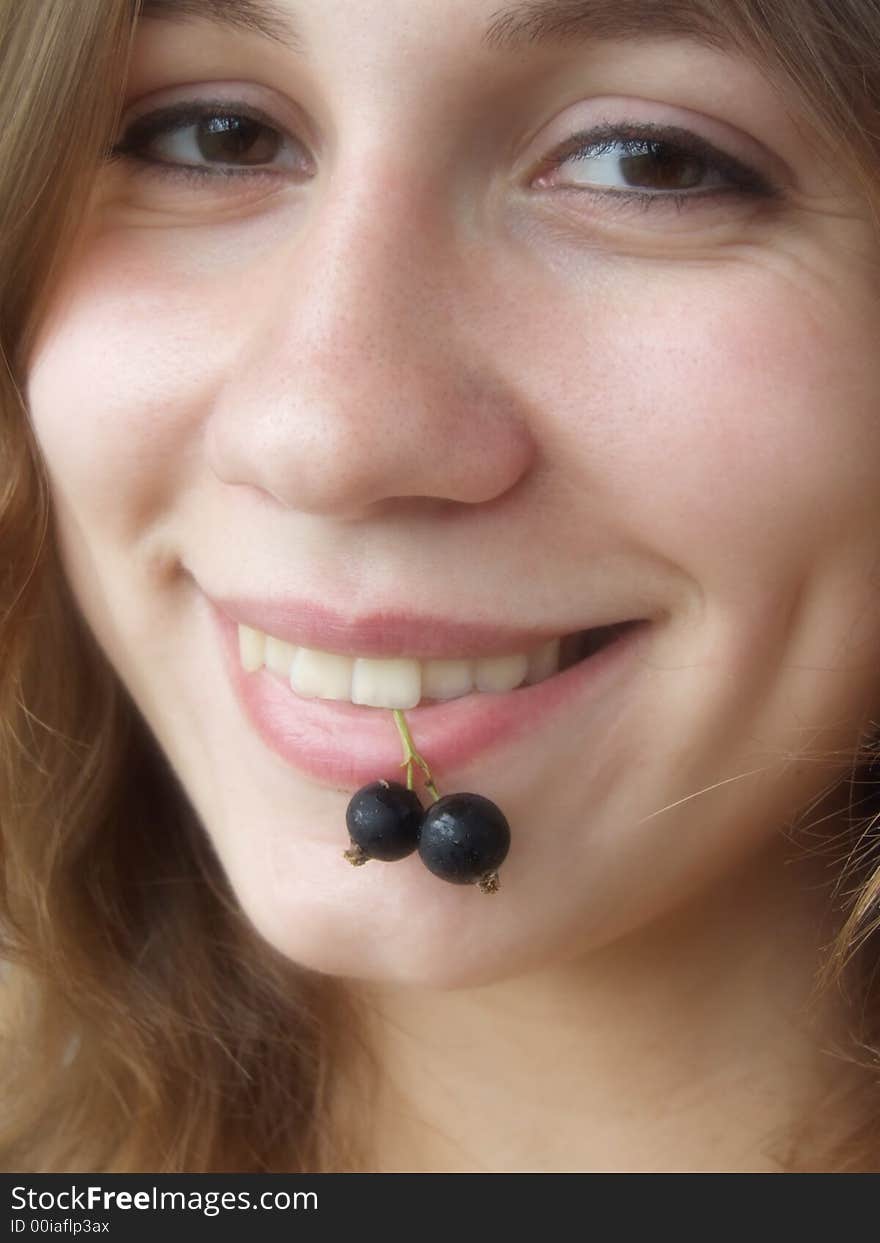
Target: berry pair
{"type": "Point", "coordinates": [461, 838]}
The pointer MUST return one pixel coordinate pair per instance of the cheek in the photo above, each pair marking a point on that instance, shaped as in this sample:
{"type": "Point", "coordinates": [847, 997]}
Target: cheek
{"type": "Point", "coordinates": [774, 445]}
{"type": "Point", "coordinates": [711, 415]}
{"type": "Point", "coordinates": [724, 422]}
{"type": "Point", "coordinates": [118, 383]}
{"type": "Point", "coordinates": [119, 379]}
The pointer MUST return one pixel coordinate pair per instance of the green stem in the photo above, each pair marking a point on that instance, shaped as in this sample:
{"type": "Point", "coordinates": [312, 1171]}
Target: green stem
{"type": "Point", "coordinates": [412, 755]}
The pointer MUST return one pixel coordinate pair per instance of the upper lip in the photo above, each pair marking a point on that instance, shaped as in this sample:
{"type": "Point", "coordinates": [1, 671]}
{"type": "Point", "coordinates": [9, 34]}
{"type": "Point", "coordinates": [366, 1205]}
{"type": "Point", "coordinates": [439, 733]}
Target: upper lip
{"type": "Point", "coordinates": [383, 633]}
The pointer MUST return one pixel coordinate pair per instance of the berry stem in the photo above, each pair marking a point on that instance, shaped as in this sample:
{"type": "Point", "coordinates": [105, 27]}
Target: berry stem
{"type": "Point", "coordinates": [412, 755]}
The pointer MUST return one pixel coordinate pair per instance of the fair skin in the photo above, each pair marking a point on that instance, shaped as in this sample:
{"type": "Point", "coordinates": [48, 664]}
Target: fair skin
{"type": "Point", "coordinates": [413, 373]}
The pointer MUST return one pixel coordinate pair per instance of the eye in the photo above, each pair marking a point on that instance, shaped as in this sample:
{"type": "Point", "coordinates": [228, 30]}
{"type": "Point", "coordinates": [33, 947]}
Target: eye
{"type": "Point", "coordinates": [676, 166]}
{"type": "Point", "coordinates": [210, 139]}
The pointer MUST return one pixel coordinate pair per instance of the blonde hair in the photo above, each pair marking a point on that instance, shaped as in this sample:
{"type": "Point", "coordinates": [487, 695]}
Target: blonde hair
{"type": "Point", "coordinates": [145, 1025]}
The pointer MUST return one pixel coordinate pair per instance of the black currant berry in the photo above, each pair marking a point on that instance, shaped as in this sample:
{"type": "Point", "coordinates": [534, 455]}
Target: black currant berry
{"type": "Point", "coordinates": [383, 821]}
{"type": "Point", "coordinates": [464, 838]}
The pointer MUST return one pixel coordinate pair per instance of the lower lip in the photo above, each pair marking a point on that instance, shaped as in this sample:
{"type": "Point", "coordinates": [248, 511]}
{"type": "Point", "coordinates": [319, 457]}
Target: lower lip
{"type": "Point", "coordinates": [347, 745]}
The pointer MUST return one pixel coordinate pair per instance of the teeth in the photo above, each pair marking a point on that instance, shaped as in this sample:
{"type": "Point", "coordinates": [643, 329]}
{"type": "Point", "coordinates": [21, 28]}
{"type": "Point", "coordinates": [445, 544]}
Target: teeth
{"type": "Point", "coordinates": [321, 675]}
{"type": "Point", "coordinates": [501, 673]}
{"type": "Point", "coordinates": [447, 679]}
{"type": "Point", "coordinates": [279, 656]}
{"type": "Point", "coordinates": [392, 683]}
{"type": "Point", "coordinates": [386, 683]}
{"type": "Point", "coordinates": [251, 646]}
{"type": "Point", "coordinates": [544, 662]}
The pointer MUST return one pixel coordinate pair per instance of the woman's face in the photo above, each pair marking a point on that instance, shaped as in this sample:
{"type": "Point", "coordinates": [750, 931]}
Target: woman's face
{"type": "Point", "coordinates": [397, 347]}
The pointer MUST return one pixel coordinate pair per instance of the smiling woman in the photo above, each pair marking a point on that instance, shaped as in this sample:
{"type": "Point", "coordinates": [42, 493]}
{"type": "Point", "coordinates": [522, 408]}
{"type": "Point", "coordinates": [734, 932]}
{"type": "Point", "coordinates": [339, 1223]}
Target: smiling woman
{"type": "Point", "coordinates": [513, 368]}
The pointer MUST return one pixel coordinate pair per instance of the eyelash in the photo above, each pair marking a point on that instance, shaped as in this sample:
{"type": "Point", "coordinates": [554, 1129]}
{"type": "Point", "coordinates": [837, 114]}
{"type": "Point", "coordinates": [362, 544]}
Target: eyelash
{"type": "Point", "coordinates": [646, 138]}
{"type": "Point", "coordinates": [632, 139]}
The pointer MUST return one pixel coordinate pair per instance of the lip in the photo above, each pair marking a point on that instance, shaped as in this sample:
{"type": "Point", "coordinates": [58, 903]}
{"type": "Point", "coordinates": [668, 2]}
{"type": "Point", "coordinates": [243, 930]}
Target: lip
{"type": "Point", "coordinates": [386, 634]}
{"type": "Point", "coordinates": [347, 745]}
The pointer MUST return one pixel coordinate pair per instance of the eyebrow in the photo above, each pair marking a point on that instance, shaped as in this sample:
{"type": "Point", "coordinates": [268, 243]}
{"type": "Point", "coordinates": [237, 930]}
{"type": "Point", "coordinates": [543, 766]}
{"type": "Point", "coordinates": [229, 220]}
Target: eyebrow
{"type": "Point", "coordinates": [534, 22]}
{"type": "Point", "coordinates": [529, 23]}
{"type": "Point", "coordinates": [260, 17]}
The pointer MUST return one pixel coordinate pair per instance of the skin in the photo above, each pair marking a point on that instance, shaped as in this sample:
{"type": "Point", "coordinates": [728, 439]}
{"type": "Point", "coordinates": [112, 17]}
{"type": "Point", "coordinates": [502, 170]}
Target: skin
{"type": "Point", "coordinates": [416, 374]}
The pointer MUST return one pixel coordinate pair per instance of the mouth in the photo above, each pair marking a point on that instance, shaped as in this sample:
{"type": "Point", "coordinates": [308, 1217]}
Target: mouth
{"type": "Point", "coordinates": [406, 682]}
{"type": "Point", "coordinates": [586, 643]}
{"type": "Point", "coordinates": [345, 745]}
{"type": "Point", "coordinates": [571, 650]}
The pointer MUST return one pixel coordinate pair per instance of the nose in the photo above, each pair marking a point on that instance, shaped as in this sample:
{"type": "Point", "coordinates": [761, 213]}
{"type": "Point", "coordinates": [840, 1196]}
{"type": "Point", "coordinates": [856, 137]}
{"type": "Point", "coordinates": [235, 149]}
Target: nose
{"type": "Point", "coordinates": [361, 374]}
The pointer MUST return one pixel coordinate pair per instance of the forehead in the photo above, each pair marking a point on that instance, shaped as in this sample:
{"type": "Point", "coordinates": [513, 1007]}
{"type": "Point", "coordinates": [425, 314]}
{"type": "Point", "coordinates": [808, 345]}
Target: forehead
{"type": "Point", "coordinates": [506, 28]}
